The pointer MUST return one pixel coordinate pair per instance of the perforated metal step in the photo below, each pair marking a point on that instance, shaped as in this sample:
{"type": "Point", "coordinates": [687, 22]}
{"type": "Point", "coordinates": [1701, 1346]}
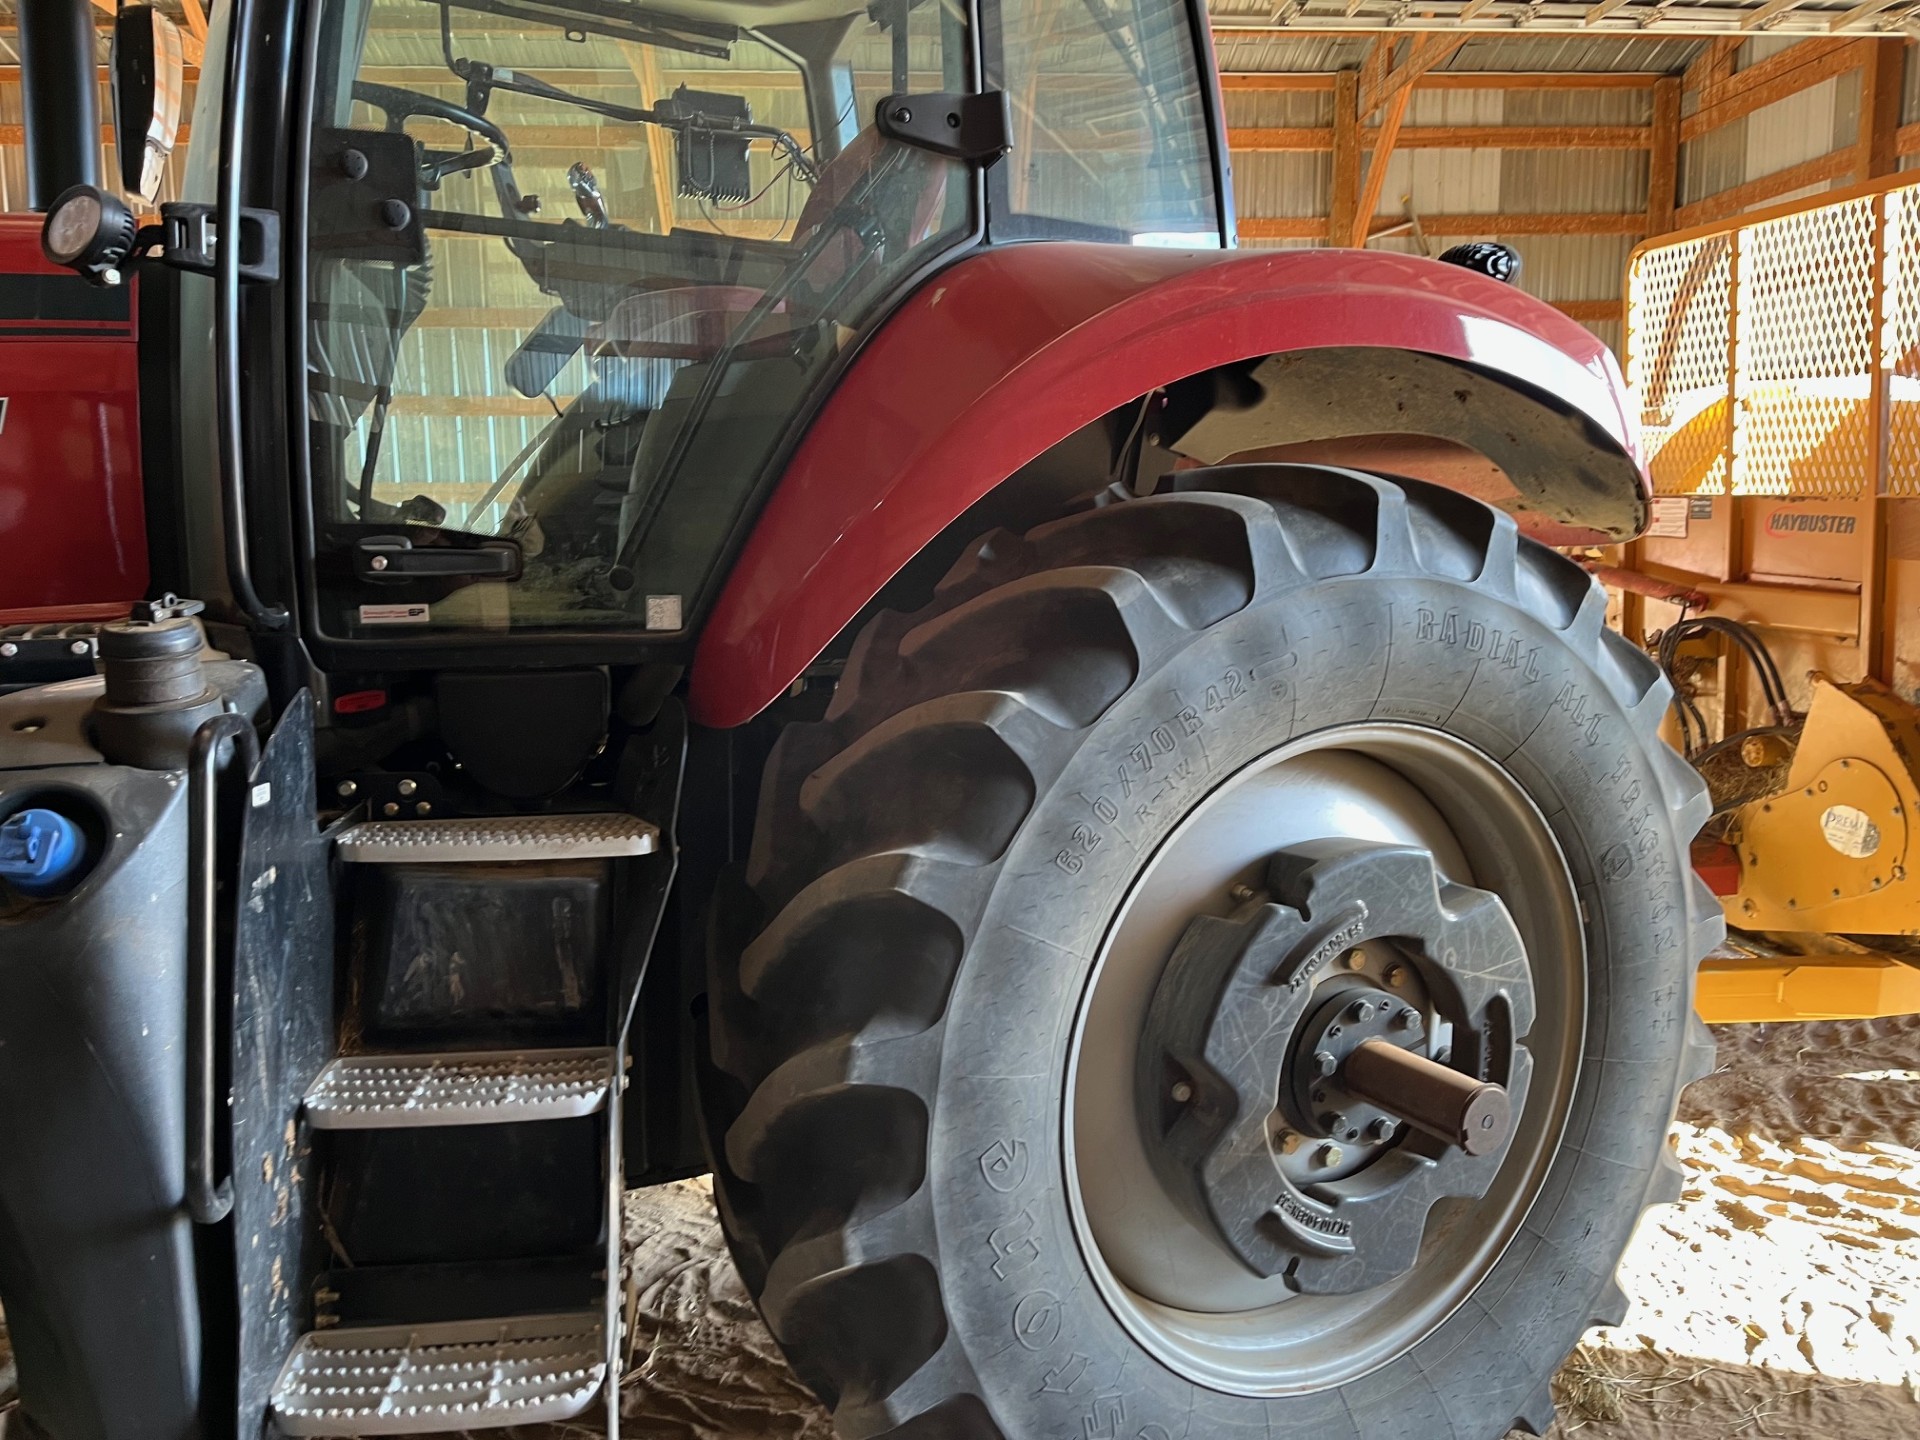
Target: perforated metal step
{"type": "Point", "coordinates": [467, 1375]}
{"type": "Point", "coordinates": [487, 1087]}
{"type": "Point", "coordinates": [497, 839]}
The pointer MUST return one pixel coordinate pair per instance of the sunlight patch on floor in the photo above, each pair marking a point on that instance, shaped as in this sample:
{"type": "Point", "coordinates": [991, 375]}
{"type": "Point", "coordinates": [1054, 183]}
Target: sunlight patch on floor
{"type": "Point", "coordinates": [1797, 1255]}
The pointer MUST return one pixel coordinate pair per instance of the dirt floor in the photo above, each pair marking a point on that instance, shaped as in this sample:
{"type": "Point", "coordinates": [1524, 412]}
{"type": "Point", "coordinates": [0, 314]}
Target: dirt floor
{"type": "Point", "coordinates": [1781, 1298]}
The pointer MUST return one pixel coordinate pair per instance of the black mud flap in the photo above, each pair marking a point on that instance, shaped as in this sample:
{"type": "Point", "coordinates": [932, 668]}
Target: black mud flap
{"type": "Point", "coordinates": [282, 1037]}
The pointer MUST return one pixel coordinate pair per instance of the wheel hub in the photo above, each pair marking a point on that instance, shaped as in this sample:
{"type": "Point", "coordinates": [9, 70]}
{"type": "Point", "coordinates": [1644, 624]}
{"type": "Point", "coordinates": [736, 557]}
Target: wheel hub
{"type": "Point", "coordinates": [1323, 1066]}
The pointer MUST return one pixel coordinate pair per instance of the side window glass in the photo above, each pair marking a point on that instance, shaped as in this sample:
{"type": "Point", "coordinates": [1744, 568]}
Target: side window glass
{"type": "Point", "coordinates": [1109, 124]}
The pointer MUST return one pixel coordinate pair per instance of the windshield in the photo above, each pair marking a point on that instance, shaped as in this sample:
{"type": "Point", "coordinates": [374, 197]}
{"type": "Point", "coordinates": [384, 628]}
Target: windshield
{"type": "Point", "coordinates": [574, 268]}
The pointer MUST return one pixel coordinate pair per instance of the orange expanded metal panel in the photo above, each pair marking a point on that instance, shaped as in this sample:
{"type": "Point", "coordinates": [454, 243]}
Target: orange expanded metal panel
{"type": "Point", "coordinates": [1679, 304]}
{"type": "Point", "coordinates": [1811, 313]}
{"type": "Point", "coordinates": [1803, 378]}
{"type": "Point", "coordinates": [1901, 343]}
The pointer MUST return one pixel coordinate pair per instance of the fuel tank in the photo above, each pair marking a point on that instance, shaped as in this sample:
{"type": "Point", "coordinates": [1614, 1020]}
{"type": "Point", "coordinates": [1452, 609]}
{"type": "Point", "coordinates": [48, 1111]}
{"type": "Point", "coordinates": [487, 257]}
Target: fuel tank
{"type": "Point", "coordinates": [98, 1271]}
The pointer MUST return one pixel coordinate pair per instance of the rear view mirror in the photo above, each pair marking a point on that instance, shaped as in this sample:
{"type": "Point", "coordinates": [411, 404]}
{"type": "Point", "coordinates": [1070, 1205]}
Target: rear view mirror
{"type": "Point", "coordinates": [149, 87]}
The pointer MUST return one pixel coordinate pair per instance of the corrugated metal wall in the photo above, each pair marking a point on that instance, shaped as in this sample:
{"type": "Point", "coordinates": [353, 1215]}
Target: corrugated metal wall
{"type": "Point", "coordinates": [1587, 268]}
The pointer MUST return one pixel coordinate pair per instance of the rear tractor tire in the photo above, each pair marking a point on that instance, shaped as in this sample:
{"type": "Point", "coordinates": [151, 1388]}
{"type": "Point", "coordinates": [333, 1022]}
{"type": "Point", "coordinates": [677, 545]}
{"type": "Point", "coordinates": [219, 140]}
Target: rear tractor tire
{"type": "Point", "coordinates": [1223, 968]}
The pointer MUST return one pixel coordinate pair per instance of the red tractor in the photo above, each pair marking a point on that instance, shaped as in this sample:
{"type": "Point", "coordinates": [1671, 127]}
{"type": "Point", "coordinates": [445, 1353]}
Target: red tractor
{"type": "Point", "coordinates": [779, 599]}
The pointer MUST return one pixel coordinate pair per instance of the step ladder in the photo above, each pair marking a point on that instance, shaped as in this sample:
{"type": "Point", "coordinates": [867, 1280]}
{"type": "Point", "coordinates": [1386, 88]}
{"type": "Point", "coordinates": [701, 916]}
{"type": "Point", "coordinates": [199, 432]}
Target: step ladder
{"type": "Point", "coordinates": [463, 1375]}
{"type": "Point", "coordinates": [467, 1374]}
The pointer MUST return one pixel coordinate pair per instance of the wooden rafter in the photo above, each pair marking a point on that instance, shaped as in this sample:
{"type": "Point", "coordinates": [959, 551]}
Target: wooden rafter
{"type": "Point", "coordinates": [1376, 180]}
{"type": "Point", "coordinates": [660, 154]}
{"type": "Point", "coordinates": [1310, 138]}
{"type": "Point", "coordinates": [1291, 80]}
{"type": "Point", "coordinates": [1313, 227]}
{"type": "Point", "coordinates": [1373, 70]}
{"type": "Point", "coordinates": [1834, 165]}
{"type": "Point", "coordinates": [1773, 80]}
{"type": "Point", "coordinates": [1424, 53]}
{"type": "Point", "coordinates": [1663, 157]}
{"type": "Point", "coordinates": [1882, 80]}
{"type": "Point", "coordinates": [1344, 192]}
{"type": "Point", "coordinates": [1711, 68]}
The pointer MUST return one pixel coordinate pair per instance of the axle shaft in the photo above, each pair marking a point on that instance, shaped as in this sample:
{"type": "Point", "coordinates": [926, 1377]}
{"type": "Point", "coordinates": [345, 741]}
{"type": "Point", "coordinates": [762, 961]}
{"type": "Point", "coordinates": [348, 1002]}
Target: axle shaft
{"type": "Point", "coordinates": [1439, 1101]}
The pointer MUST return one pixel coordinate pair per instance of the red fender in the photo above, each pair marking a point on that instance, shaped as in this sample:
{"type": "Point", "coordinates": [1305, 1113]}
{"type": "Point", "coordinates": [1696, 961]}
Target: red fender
{"type": "Point", "coordinates": [1009, 351]}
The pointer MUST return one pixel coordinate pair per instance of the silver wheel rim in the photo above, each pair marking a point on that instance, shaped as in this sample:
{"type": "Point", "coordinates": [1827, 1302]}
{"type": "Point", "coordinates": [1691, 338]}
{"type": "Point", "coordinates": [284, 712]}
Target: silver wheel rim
{"type": "Point", "coordinates": [1171, 1282]}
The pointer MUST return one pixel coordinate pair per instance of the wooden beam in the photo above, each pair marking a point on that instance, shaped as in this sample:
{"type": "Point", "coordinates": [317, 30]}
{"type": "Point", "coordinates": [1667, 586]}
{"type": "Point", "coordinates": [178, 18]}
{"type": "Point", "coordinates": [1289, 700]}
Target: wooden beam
{"type": "Point", "coordinates": [1882, 80]}
{"type": "Point", "coordinates": [1239, 80]}
{"type": "Point", "coordinates": [1345, 188]}
{"type": "Point", "coordinates": [10, 75]}
{"type": "Point", "coordinates": [1376, 180]}
{"type": "Point", "coordinates": [1267, 80]}
{"type": "Point", "coordinates": [1712, 68]}
{"type": "Point", "coordinates": [1284, 227]}
{"type": "Point", "coordinates": [196, 19]}
{"type": "Point", "coordinates": [1589, 311]}
{"type": "Point", "coordinates": [1775, 79]}
{"type": "Point", "coordinates": [1574, 223]}
{"type": "Point", "coordinates": [1373, 70]}
{"type": "Point", "coordinates": [1310, 227]}
{"type": "Point", "coordinates": [1310, 138]}
{"type": "Point", "coordinates": [1538, 80]}
{"type": "Point", "coordinates": [1834, 165]}
{"type": "Point", "coordinates": [17, 135]}
{"type": "Point", "coordinates": [1663, 156]}
{"type": "Point", "coordinates": [1426, 52]}
{"type": "Point", "coordinates": [660, 152]}
{"type": "Point", "coordinates": [1275, 139]}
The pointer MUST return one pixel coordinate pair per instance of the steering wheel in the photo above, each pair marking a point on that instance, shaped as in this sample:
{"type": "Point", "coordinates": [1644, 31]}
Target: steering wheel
{"type": "Point", "coordinates": [400, 105]}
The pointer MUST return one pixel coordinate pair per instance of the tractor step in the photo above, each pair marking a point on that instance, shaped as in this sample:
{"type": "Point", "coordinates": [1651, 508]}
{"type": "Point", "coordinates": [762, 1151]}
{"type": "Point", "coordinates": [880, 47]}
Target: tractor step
{"type": "Point", "coordinates": [463, 1375]}
{"type": "Point", "coordinates": [494, 1087]}
{"type": "Point", "coordinates": [497, 839]}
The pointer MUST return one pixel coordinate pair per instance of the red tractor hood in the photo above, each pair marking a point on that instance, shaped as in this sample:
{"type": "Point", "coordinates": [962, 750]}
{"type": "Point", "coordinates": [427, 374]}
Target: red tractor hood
{"type": "Point", "coordinates": [1010, 350]}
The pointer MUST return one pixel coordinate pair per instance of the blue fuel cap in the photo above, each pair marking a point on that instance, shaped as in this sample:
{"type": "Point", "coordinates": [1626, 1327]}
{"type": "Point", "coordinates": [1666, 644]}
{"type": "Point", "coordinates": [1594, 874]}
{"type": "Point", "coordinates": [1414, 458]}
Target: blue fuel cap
{"type": "Point", "coordinates": [40, 851]}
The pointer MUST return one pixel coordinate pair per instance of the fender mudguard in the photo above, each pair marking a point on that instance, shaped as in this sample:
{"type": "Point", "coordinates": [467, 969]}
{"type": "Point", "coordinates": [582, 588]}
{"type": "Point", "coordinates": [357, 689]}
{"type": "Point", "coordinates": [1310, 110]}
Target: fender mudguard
{"type": "Point", "coordinates": [1010, 350]}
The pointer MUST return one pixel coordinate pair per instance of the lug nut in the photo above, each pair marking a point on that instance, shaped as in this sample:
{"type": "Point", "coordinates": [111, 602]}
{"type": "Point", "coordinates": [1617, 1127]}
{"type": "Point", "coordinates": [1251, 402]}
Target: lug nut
{"type": "Point", "coordinates": [1407, 1019]}
{"type": "Point", "coordinates": [1381, 1129]}
{"type": "Point", "coordinates": [1325, 1062]}
{"type": "Point", "coordinates": [1329, 1156]}
{"type": "Point", "coordinates": [1288, 1142]}
{"type": "Point", "coordinates": [1356, 960]}
{"type": "Point", "coordinates": [346, 789]}
{"type": "Point", "coordinates": [1333, 1122]}
{"type": "Point", "coordinates": [9, 650]}
{"type": "Point", "coordinates": [423, 808]}
{"type": "Point", "coordinates": [1397, 976]}
{"type": "Point", "coordinates": [1182, 1092]}
{"type": "Point", "coordinates": [1361, 1011]}
{"type": "Point", "coordinates": [390, 808]}
{"type": "Point", "coordinates": [407, 787]}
